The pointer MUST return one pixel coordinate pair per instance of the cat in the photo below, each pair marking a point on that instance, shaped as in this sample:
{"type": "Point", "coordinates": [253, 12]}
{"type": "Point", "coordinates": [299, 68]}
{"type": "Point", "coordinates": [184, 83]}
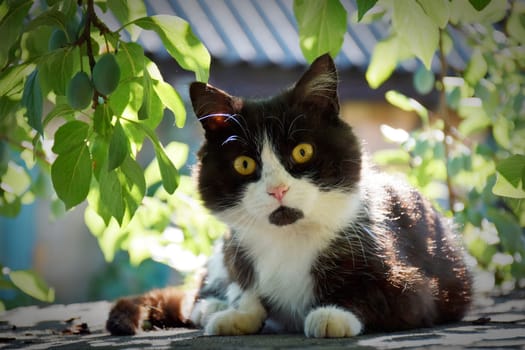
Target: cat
{"type": "Point", "coordinates": [320, 242]}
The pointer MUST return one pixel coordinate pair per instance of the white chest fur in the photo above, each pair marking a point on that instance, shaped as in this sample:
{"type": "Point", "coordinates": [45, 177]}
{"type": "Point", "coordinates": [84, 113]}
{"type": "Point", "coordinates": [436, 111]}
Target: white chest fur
{"type": "Point", "coordinates": [283, 256]}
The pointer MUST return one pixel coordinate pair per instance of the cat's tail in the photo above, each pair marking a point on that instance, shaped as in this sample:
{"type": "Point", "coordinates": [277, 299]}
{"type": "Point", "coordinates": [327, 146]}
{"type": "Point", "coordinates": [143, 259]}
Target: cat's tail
{"type": "Point", "coordinates": [161, 308]}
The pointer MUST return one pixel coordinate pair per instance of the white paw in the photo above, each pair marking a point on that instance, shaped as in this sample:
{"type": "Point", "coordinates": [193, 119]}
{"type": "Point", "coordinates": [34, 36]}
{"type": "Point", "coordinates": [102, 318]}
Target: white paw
{"type": "Point", "coordinates": [331, 322]}
{"type": "Point", "coordinates": [203, 309]}
{"type": "Point", "coordinates": [233, 322]}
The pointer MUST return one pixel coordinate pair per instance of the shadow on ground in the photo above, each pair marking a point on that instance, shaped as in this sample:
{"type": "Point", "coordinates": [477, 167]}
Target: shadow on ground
{"type": "Point", "coordinates": [495, 322]}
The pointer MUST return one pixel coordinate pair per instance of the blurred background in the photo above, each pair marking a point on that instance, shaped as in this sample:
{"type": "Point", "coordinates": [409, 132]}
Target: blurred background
{"type": "Point", "coordinates": [255, 52]}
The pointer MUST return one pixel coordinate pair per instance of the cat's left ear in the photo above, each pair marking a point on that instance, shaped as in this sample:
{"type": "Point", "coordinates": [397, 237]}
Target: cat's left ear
{"type": "Point", "coordinates": [318, 86]}
{"type": "Point", "coordinates": [213, 106]}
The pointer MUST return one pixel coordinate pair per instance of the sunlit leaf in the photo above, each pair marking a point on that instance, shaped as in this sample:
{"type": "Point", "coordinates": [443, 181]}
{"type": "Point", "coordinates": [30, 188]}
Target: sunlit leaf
{"type": "Point", "coordinates": [476, 67]}
{"type": "Point", "coordinates": [71, 174]}
{"type": "Point", "coordinates": [384, 61]}
{"type": "Point", "coordinates": [15, 180]}
{"type": "Point", "coordinates": [437, 10]}
{"type": "Point", "coordinates": [118, 147]}
{"type": "Point", "coordinates": [102, 120]}
{"type": "Point", "coordinates": [516, 22]}
{"type": "Point", "coordinates": [69, 136]}
{"type": "Point", "coordinates": [407, 104]}
{"type": "Point", "coordinates": [510, 177]}
{"type": "Point", "coordinates": [180, 42]}
{"type": "Point", "coordinates": [126, 11]}
{"type": "Point", "coordinates": [111, 196]}
{"type": "Point", "coordinates": [32, 284]}
{"type": "Point", "coordinates": [416, 30]}
{"type": "Point", "coordinates": [172, 100]}
{"type": "Point", "coordinates": [170, 175]}
{"type": "Point", "coordinates": [322, 25]}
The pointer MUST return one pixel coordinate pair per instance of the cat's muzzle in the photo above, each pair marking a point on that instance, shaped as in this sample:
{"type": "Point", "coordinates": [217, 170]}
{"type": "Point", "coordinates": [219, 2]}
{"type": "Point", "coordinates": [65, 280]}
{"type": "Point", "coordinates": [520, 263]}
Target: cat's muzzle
{"type": "Point", "coordinates": [285, 216]}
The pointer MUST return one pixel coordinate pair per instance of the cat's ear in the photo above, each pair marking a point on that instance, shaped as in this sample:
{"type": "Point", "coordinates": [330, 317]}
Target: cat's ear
{"type": "Point", "coordinates": [213, 106]}
{"type": "Point", "coordinates": [318, 85]}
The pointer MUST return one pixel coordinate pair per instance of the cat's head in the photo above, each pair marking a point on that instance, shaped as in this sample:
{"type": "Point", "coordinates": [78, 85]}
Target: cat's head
{"type": "Point", "coordinates": [282, 161]}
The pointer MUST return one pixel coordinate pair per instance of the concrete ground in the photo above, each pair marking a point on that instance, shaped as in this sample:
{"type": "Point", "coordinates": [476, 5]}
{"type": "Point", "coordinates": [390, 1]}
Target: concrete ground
{"type": "Point", "coordinates": [493, 323]}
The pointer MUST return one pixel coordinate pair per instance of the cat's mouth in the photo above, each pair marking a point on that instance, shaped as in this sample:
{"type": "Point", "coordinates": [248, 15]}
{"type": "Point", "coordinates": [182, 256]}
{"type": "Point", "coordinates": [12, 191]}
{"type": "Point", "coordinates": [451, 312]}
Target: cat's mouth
{"type": "Point", "coordinates": [285, 216]}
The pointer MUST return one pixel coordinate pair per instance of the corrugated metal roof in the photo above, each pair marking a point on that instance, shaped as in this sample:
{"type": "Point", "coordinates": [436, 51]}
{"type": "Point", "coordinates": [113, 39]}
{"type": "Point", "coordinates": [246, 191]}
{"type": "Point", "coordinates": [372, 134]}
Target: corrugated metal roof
{"type": "Point", "coordinates": [263, 32]}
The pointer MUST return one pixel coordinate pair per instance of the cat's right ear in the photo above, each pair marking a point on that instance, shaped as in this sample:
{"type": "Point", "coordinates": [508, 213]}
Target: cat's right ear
{"type": "Point", "coordinates": [213, 107]}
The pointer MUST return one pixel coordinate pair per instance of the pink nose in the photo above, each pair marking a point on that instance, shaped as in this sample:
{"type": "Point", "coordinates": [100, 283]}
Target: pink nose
{"type": "Point", "coordinates": [278, 192]}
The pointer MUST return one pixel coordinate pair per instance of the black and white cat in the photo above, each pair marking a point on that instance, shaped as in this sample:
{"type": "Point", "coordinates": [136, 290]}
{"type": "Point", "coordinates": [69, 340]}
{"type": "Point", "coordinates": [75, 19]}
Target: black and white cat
{"type": "Point", "coordinates": [320, 243]}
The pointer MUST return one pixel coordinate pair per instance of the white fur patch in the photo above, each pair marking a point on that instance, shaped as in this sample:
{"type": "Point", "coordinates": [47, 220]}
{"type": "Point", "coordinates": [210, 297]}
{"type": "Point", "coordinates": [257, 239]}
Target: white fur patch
{"type": "Point", "coordinates": [203, 309]}
{"type": "Point", "coordinates": [247, 318]}
{"type": "Point", "coordinates": [283, 255]}
{"type": "Point", "coordinates": [331, 322]}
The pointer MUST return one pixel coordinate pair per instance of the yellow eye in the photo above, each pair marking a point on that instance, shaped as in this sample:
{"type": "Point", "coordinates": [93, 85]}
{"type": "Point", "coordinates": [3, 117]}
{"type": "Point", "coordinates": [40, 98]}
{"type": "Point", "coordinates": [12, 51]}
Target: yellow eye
{"type": "Point", "coordinates": [244, 165]}
{"type": "Point", "coordinates": [302, 153]}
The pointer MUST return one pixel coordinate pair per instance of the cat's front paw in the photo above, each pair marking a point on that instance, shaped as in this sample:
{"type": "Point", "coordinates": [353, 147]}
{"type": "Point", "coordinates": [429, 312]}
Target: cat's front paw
{"type": "Point", "coordinates": [203, 309]}
{"type": "Point", "coordinates": [331, 322]}
{"type": "Point", "coordinates": [233, 322]}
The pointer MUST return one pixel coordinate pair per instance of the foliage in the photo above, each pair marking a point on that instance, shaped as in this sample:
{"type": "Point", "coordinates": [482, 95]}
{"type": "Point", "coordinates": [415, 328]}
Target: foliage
{"type": "Point", "coordinates": [476, 166]}
{"type": "Point", "coordinates": [468, 155]}
{"type": "Point", "coordinates": [77, 103]}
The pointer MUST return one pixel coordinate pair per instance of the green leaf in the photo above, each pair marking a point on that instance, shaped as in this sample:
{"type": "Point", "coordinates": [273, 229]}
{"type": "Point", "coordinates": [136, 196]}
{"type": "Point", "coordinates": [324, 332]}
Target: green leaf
{"type": "Point", "coordinates": [391, 157]}
{"type": "Point", "coordinates": [111, 197]}
{"type": "Point", "coordinates": [71, 174]}
{"type": "Point", "coordinates": [454, 97]}
{"type": "Point", "coordinates": [172, 100]}
{"type": "Point", "coordinates": [57, 69]}
{"type": "Point", "coordinates": [437, 10]}
{"type": "Point", "coordinates": [180, 42]}
{"type": "Point", "coordinates": [102, 120]}
{"type": "Point", "coordinates": [11, 24]}
{"type": "Point", "coordinates": [121, 191]}
{"type": "Point", "coordinates": [118, 147]}
{"type": "Point", "coordinates": [130, 58]}
{"type": "Point", "coordinates": [11, 79]}
{"type": "Point", "coordinates": [168, 172]}
{"type": "Point", "coordinates": [465, 13]}
{"type": "Point", "coordinates": [509, 231]}
{"type": "Point", "coordinates": [416, 30]}
{"type": "Point", "coordinates": [33, 100]}
{"type": "Point", "coordinates": [15, 180]}
{"type": "Point", "coordinates": [363, 6]}
{"type": "Point", "coordinates": [134, 183]}
{"type": "Point", "coordinates": [383, 62]}
{"type": "Point", "coordinates": [423, 80]}
{"type": "Point", "coordinates": [479, 4]}
{"type": "Point", "coordinates": [178, 154]}
{"type": "Point", "coordinates": [126, 11]}
{"type": "Point", "coordinates": [504, 188]}
{"type": "Point", "coordinates": [512, 169]}
{"type": "Point", "coordinates": [59, 110]}
{"type": "Point", "coordinates": [321, 25]}
{"type": "Point", "coordinates": [69, 136]}
{"type": "Point", "coordinates": [516, 22]}
{"type": "Point", "coordinates": [476, 68]}
{"type": "Point", "coordinates": [146, 109]}
{"type": "Point", "coordinates": [52, 17]}
{"type": "Point", "coordinates": [407, 104]}
{"type": "Point", "coordinates": [31, 284]}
